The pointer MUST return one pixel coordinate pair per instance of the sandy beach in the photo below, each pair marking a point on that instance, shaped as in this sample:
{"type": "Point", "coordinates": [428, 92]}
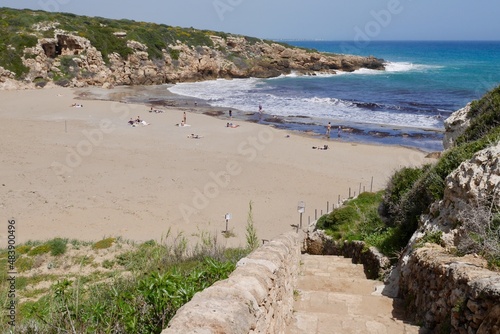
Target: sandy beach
{"type": "Point", "coordinates": [85, 173]}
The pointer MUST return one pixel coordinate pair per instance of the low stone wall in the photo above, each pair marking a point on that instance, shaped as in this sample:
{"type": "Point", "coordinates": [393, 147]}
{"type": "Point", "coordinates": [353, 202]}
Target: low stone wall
{"type": "Point", "coordinates": [375, 264]}
{"type": "Point", "coordinates": [256, 298]}
{"type": "Point", "coordinates": [450, 294]}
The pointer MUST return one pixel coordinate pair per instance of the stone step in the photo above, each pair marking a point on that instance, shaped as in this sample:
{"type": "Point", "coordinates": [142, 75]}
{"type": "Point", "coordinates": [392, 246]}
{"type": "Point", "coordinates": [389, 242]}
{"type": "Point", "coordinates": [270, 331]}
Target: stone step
{"type": "Point", "coordinates": [330, 266]}
{"type": "Point", "coordinates": [332, 284]}
{"type": "Point", "coordinates": [334, 296]}
{"type": "Point", "coordinates": [343, 303]}
{"type": "Point", "coordinates": [326, 323]}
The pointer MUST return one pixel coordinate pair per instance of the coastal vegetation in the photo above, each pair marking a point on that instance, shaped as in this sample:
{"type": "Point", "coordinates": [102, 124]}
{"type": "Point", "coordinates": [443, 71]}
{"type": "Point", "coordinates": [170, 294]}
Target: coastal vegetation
{"type": "Point", "coordinates": [40, 48]}
{"type": "Point", "coordinates": [20, 29]}
{"type": "Point", "coordinates": [112, 285]}
{"type": "Point", "coordinates": [388, 219]}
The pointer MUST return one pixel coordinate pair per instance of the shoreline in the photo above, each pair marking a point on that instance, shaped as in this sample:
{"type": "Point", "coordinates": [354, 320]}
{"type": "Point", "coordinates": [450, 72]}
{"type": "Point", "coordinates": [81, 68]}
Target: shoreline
{"type": "Point", "coordinates": [84, 173]}
{"type": "Point", "coordinates": [159, 96]}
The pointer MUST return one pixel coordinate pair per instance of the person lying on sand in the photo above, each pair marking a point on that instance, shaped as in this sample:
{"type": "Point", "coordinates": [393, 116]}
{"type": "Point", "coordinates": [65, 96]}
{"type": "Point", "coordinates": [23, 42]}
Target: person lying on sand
{"type": "Point", "coordinates": [140, 121]}
{"type": "Point", "coordinates": [77, 105]}
{"type": "Point", "coordinates": [182, 124]}
{"type": "Point", "coordinates": [158, 111]}
{"type": "Point", "coordinates": [193, 136]}
{"type": "Point", "coordinates": [325, 147]}
{"type": "Point", "coordinates": [231, 125]}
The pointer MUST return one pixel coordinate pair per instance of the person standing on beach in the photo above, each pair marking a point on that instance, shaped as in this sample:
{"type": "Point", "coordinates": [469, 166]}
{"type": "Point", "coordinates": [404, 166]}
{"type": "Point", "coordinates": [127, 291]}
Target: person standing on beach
{"type": "Point", "coordinates": [230, 114]}
{"type": "Point", "coordinates": [328, 129]}
{"type": "Point", "coordinates": [184, 118]}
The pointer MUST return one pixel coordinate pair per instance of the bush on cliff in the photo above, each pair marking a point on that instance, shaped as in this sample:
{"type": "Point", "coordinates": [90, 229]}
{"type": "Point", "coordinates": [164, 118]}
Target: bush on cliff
{"type": "Point", "coordinates": [485, 117]}
{"type": "Point", "coordinates": [411, 191]}
{"type": "Point", "coordinates": [11, 50]}
{"type": "Point", "coordinates": [399, 185]}
{"type": "Point", "coordinates": [482, 223]}
{"type": "Point", "coordinates": [21, 28]}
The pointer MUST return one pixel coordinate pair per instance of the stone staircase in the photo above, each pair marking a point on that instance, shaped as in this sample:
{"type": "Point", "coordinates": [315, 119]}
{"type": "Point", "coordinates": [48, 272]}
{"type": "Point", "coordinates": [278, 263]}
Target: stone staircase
{"type": "Point", "coordinates": [334, 296]}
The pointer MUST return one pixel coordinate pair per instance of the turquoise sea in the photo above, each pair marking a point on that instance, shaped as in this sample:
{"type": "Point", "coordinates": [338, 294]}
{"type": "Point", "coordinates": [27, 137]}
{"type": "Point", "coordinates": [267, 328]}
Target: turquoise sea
{"type": "Point", "coordinates": [405, 105]}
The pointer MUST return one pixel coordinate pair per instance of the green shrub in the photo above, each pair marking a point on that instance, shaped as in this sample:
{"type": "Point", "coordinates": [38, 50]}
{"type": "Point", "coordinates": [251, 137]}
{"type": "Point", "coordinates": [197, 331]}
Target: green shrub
{"type": "Point", "coordinates": [58, 246]}
{"type": "Point", "coordinates": [69, 68]}
{"type": "Point", "coordinates": [411, 191]}
{"type": "Point", "coordinates": [452, 158]}
{"type": "Point", "coordinates": [431, 237]}
{"type": "Point", "coordinates": [398, 186]}
{"type": "Point", "coordinates": [24, 264]}
{"type": "Point", "coordinates": [355, 220]}
{"type": "Point", "coordinates": [39, 250]}
{"type": "Point", "coordinates": [485, 117]}
{"type": "Point", "coordinates": [23, 249]}
{"type": "Point", "coordinates": [13, 41]}
{"type": "Point", "coordinates": [340, 216]}
{"type": "Point", "coordinates": [104, 243]}
{"type": "Point", "coordinates": [389, 241]}
{"type": "Point", "coordinates": [174, 54]}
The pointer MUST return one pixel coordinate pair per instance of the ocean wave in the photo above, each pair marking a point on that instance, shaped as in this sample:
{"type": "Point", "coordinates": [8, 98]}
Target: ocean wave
{"type": "Point", "coordinates": [394, 67]}
{"type": "Point", "coordinates": [248, 94]}
{"type": "Point", "coordinates": [406, 67]}
{"type": "Point", "coordinates": [329, 101]}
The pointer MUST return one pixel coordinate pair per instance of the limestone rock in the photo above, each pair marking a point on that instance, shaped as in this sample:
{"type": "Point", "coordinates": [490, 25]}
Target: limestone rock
{"type": "Point", "coordinates": [438, 282]}
{"type": "Point", "coordinates": [491, 324]}
{"type": "Point", "coordinates": [455, 125]}
{"type": "Point", "coordinates": [473, 182]}
{"type": "Point", "coordinates": [231, 57]}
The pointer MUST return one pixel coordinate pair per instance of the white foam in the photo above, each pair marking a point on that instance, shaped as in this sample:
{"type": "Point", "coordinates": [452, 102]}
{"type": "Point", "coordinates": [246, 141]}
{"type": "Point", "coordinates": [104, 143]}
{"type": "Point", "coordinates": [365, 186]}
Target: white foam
{"type": "Point", "coordinates": [407, 67]}
{"type": "Point", "coordinates": [394, 67]}
{"type": "Point", "coordinates": [247, 94]}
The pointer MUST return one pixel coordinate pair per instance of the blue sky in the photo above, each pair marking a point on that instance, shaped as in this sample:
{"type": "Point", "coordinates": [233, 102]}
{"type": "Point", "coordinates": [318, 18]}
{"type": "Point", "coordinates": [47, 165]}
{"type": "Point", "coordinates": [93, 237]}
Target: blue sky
{"type": "Point", "coordinates": [301, 19]}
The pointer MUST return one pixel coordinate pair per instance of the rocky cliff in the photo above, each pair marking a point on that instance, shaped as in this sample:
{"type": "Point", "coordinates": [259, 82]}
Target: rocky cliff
{"type": "Point", "coordinates": [445, 290]}
{"type": "Point", "coordinates": [71, 60]}
{"type": "Point", "coordinates": [455, 125]}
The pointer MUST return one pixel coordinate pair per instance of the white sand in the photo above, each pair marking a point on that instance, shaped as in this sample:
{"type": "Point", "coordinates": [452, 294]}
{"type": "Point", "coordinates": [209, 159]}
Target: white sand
{"type": "Point", "coordinates": [85, 173]}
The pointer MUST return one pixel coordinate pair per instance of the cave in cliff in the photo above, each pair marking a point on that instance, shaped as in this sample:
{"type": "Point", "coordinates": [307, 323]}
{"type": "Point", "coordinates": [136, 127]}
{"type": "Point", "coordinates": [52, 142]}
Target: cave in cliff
{"type": "Point", "coordinates": [63, 45]}
{"type": "Point", "coordinates": [51, 49]}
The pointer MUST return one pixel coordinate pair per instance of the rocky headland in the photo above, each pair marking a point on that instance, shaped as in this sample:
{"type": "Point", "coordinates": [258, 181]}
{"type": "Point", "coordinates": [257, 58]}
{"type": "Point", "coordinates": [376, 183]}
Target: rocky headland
{"type": "Point", "coordinates": [67, 58]}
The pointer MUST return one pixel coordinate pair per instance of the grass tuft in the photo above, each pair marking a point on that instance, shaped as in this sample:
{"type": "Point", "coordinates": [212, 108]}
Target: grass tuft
{"type": "Point", "coordinates": [104, 243]}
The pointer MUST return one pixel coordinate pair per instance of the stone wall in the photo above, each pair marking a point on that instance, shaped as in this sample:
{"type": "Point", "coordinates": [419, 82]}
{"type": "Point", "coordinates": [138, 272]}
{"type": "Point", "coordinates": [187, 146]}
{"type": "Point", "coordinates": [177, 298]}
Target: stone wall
{"type": "Point", "coordinates": [256, 298]}
{"type": "Point", "coordinates": [451, 294]}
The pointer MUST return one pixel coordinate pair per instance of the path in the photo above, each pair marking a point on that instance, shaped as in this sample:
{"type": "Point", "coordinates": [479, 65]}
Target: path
{"type": "Point", "coordinates": [334, 296]}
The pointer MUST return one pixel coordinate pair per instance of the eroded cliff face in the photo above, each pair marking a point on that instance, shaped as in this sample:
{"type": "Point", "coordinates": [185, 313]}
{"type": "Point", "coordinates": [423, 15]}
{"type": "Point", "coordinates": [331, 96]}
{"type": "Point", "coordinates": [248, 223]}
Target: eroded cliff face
{"type": "Point", "coordinates": [443, 290]}
{"type": "Point", "coordinates": [455, 125]}
{"type": "Point", "coordinates": [70, 60]}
